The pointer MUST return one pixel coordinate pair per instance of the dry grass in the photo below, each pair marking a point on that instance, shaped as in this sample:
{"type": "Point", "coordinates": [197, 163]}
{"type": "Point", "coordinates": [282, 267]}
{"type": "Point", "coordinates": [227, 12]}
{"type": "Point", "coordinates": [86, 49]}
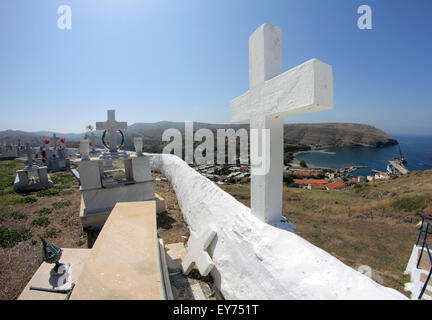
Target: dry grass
{"type": "Point", "coordinates": [54, 215]}
{"type": "Point", "coordinates": [369, 225]}
{"type": "Point", "coordinates": [372, 224]}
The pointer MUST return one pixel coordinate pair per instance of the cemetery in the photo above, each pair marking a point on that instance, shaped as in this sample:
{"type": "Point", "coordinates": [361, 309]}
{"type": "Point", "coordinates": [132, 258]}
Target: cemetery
{"type": "Point", "coordinates": [196, 241]}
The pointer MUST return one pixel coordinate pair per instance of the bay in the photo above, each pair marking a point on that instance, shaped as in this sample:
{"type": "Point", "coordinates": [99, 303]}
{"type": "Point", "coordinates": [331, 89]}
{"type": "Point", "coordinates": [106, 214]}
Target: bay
{"type": "Point", "coordinates": [417, 150]}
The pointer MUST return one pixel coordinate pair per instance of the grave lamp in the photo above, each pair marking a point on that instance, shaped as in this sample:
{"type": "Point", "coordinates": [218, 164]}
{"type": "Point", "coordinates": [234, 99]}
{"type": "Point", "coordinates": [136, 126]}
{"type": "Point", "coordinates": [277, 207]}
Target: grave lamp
{"type": "Point", "coordinates": [84, 149]}
{"type": "Point", "coordinates": [138, 143]}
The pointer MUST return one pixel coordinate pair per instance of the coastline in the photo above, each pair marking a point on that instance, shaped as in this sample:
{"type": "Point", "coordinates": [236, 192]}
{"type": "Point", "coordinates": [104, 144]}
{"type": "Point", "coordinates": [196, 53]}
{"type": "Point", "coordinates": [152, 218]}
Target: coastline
{"type": "Point", "coordinates": [296, 165]}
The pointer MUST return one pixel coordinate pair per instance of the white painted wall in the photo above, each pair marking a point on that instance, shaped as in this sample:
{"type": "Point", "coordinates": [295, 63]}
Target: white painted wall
{"type": "Point", "coordinates": [255, 260]}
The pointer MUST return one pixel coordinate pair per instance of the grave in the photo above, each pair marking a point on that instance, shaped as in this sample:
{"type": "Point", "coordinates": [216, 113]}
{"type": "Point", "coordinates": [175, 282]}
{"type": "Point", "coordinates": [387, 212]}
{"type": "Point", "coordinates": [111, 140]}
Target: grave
{"type": "Point", "coordinates": [131, 267]}
{"type": "Point", "coordinates": [101, 189]}
{"type": "Point", "coordinates": [8, 151]}
{"type": "Point", "coordinates": [32, 177]}
{"type": "Point", "coordinates": [57, 158]}
{"type": "Point", "coordinates": [272, 96]}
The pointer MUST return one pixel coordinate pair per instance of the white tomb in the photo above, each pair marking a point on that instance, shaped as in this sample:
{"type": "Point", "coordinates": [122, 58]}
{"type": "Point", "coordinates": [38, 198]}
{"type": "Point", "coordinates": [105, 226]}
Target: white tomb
{"type": "Point", "coordinates": [8, 151]}
{"type": "Point", "coordinates": [272, 96]}
{"type": "Point", "coordinates": [32, 177]}
{"type": "Point", "coordinates": [101, 189]}
{"type": "Point", "coordinates": [57, 159]}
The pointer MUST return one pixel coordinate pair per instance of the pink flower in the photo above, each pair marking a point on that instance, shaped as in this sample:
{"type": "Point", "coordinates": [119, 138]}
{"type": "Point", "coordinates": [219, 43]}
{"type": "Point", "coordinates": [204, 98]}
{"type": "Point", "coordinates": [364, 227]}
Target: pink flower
{"type": "Point", "coordinates": [46, 141]}
{"type": "Point", "coordinates": [62, 140]}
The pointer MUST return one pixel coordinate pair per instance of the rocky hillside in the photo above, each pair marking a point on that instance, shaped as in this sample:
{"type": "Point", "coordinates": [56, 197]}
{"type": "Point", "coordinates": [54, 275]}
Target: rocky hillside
{"type": "Point", "coordinates": [337, 134]}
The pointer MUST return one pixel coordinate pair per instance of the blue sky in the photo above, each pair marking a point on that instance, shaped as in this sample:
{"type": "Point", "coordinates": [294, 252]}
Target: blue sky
{"type": "Point", "coordinates": [154, 60]}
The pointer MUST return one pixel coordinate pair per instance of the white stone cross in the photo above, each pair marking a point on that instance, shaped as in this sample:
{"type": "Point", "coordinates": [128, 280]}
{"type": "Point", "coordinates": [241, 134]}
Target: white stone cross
{"type": "Point", "coordinates": [197, 253]}
{"type": "Point", "coordinates": [111, 126]}
{"type": "Point", "coordinates": [272, 96]}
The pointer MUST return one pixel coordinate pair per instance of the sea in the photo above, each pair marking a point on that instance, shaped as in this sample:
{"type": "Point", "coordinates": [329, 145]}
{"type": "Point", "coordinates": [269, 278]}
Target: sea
{"type": "Point", "coordinates": [417, 150]}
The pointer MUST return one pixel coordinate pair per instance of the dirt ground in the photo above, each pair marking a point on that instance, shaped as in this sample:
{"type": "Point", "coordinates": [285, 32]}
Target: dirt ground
{"type": "Point", "coordinates": [55, 215]}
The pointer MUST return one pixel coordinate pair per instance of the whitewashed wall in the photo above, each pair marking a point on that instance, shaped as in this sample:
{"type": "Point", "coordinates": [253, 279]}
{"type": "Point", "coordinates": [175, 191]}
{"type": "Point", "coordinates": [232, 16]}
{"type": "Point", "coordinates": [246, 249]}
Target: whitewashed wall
{"type": "Point", "coordinates": [255, 260]}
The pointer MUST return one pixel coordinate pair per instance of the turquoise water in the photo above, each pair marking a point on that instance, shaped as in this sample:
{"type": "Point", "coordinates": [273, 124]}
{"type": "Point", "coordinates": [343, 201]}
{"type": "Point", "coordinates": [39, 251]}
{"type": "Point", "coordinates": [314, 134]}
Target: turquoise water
{"type": "Point", "coordinates": [415, 149]}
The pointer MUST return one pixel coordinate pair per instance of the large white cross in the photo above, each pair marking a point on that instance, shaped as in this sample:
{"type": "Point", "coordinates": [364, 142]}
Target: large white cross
{"type": "Point", "coordinates": [111, 126]}
{"type": "Point", "coordinates": [272, 96]}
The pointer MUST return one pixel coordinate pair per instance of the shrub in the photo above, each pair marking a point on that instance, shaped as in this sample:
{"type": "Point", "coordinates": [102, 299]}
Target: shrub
{"type": "Point", "coordinates": [410, 203]}
{"type": "Point", "coordinates": [48, 193]}
{"type": "Point", "coordinates": [17, 216]}
{"type": "Point", "coordinates": [9, 238]}
{"type": "Point", "coordinates": [44, 211]}
{"type": "Point", "coordinates": [288, 157]}
{"type": "Point", "coordinates": [62, 178]}
{"type": "Point", "coordinates": [6, 182]}
{"type": "Point", "coordinates": [287, 179]}
{"type": "Point", "coordinates": [28, 199]}
{"type": "Point", "coordinates": [61, 204]}
{"type": "Point", "coordinates": [42, 222]}
{"type": "Point", "coordinates": [303, 164]}
{"type": "Point", "coordinates": [51, 233]}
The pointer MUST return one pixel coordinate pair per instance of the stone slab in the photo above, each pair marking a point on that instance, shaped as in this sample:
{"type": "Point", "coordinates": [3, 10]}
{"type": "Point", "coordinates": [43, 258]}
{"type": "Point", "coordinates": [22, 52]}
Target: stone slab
{"type": "Point", "coordinates": [75, 257]}
{"type": "Point", "coordinates": [104, 199]}
{"type": "Point", "coordinates": [124, 261]}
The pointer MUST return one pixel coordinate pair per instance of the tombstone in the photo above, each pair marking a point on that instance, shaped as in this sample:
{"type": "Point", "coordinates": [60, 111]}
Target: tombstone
{"type": "Point", "coordinates": [272, 96]}
{"type": "Point", "coordinates": [32, 177]}
{"type": "Point", "coordinates": [8, 151]}
{"type": "Point", "coordinates": [111, 126]}
{"type": "Point", "coordinates": [57, 159]}
{"type": "Point", "coordinates": [93, 139]}
{"type": "Point", "coordinates": [101, 189]}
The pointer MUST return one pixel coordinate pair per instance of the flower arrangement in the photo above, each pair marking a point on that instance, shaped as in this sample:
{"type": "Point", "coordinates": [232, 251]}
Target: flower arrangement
{"type": "Point", "coordinates": [46, 141]}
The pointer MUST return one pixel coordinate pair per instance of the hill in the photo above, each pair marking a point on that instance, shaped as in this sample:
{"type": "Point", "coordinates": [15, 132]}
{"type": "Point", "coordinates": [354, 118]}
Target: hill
{"type": "Point", "coordinates": [297, 136]}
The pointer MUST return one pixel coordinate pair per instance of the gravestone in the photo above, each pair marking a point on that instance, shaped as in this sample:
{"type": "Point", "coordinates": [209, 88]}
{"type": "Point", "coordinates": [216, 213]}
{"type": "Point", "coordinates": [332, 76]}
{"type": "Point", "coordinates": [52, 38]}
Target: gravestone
{"type": "Point", "coordinates": [111, 126]}
{"type": "Point", "coordinates": [93, 139]}
{"type": "Point", "coordinates": [57, 159]}
{"type": "Point", "coordinates": [32, 177]}
{"type": "Point", "coordinates": [272, 96]}
{"type": "Point", "coordinates": [8, 151]}
{"type": "Point", "coordinates": [101, 189]}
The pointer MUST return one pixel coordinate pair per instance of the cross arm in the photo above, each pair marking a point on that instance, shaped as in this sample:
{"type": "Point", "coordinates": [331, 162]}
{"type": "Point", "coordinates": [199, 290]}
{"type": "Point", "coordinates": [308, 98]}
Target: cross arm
{"type": "Point", "coordinates": [303, 89]}
{"type": "Point", "coordinates": [117, 125]}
